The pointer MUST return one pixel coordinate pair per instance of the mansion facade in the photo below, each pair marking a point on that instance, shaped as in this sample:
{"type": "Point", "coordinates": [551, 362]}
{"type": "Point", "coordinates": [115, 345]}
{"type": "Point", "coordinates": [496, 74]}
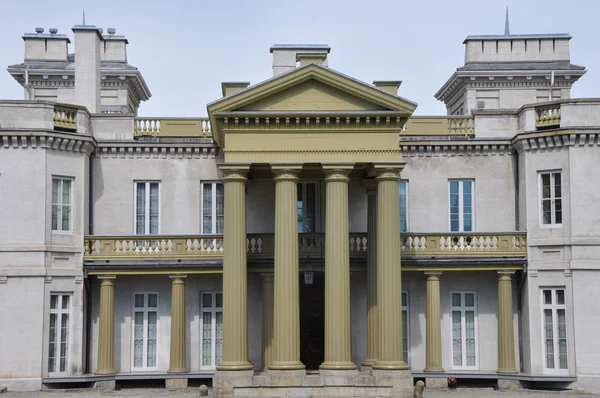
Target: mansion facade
{"type": "Point", "coordinates": [309, 235]}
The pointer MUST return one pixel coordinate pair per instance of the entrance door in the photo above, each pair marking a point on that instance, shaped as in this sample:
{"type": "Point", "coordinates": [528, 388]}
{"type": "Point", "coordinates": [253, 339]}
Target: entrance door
{"type": "Point", "coordinates": [312, 321]}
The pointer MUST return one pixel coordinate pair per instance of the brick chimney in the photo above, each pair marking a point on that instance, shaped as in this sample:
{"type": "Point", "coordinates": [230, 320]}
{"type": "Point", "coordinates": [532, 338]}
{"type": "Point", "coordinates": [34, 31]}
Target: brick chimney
{"type": "Point", "coordinates": [88, 40]}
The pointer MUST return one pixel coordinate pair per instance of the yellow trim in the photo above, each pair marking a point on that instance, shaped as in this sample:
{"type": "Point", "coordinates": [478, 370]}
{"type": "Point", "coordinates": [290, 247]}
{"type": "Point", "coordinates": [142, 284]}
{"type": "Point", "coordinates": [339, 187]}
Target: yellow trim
{"type": "Point", "coordinates": [113, 271]}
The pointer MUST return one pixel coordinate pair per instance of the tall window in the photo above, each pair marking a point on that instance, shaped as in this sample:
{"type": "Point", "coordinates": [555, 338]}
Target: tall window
{"type": "Point", "coordinates": [146, 208]}
{"type": "Point", "coordinates": [461, 206]}
{"type": "Point", "coordinates": [61, 204]}
{"type": "Point", "coordinates": [212, 329]}
{"type": "Point", "coordinates": [145, 325]}
{"type": "Point", "coordinates": [464, 331]}
{"type": "Point", "coordinates": [555, 329]}
{"type": "Point", "coordinates": [58, 347]}
{"type": "Point", "coordinates": [405, 328]}
{"type": "Point", "coordinates": [307, 207]}
{"type": "Point", "coordinates": [213, 201]}
{"type": "Point", "coordinates": [551, 198]}
{"type": "Point", "coordinates": [403, 206]}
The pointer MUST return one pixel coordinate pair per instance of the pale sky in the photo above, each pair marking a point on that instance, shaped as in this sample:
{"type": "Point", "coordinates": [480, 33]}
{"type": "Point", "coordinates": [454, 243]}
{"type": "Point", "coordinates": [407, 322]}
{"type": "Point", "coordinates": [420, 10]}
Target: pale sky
{"type": "Point", "coordinates": [185, 49]}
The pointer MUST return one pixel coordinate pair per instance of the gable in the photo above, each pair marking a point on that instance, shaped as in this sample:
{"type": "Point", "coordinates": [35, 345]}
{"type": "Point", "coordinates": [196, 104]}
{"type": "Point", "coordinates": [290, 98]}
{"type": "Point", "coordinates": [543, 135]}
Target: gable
{"type": "Point", "coordinates": [312, 95]}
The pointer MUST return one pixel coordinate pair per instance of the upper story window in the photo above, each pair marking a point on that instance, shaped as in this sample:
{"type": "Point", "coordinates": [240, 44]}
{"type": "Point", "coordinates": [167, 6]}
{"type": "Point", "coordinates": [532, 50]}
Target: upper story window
{"type": "Point", "coordinates": [147, 197]}
{"type": "Point", "coordinates": [550, 187]}
{"type": "Point", "coordinates": [403, 206]}
{"type": "Point", "coordinates": [462, 215]}
{"type": "Point", "coordinates": [213, 202]}
{"type": "Point", "coordinates": [61, 204]}
{"type": "Point", "coordinates": [307, 207]}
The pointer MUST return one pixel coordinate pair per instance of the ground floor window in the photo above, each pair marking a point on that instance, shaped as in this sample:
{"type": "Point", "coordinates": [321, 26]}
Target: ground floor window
{"type": "Point", "coordinates": [555, 330]}
{"type": "Point", "coordinates": [464, 330]}
{"type": "Point", "coordinates": [58, 347]}
{"type": "Point", "coordinates": [405, 328]}
{"type": "Point", "coordinates": [145, 326]}
{"type": "Point", "coordinates": [212, 329]}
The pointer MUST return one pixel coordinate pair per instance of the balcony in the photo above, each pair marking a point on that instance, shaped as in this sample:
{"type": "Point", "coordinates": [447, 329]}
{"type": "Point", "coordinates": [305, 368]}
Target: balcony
{"type": "Point", "coordinates": [172, 127]}
{"type": "Point", "coordinates": [439, 125]}
{"type": "Point", "coordinates": [547, 116]}
{"type": "Point", "coordinates": [65, 118]}
{"type": "Point", "coordinates": [413, 245]}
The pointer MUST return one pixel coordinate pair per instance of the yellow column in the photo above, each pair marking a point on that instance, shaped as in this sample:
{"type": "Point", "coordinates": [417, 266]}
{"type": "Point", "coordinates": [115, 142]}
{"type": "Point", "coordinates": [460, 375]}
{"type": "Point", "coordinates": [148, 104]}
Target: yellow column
{"type": "Point", "coordinates": [235, 306]}
{"type": "Point", "coordinates": [371, 274]}
{"type": "Point", "coordinates": [286, 332]}
{"type": "Point", "coordinates": [389, 278]}
{"type": "Point", "coordinates": [337, 272]}
{"type": "Point", "coordinates": [506, 337]}
{"type": "Point", "coordinates": [267, 320]}
{"type": "Point", "coordinates": [433, 342]}
{"type": "Point", "coordinates": [177, 354]}
{"type": "Point", "coordinates": [106, 332]}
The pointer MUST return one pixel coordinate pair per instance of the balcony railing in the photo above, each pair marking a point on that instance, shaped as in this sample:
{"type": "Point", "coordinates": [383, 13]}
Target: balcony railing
{"type": "Point", "coordinates": [140, 247]}
{"type": "Point", "coordinates": [547, 116]}
{"type": "Point", "coordinates": [65, 118]}
{"type": "Point", "coordinates": [172, 127]}
{"type": "Point", "coordinates": [439, 125]}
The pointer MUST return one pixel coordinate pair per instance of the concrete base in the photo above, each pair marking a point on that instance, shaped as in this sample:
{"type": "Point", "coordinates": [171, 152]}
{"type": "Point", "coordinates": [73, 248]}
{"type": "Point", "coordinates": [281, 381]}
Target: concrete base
{"type": "Point", "coordinates": [176, 383]}
{"type": "Point", "coordinates": [225, 381]}
{"type": "Point", "coordinates": [107, 385]}
{"type": "Point", "coordinates": [27, 384]}
{"type": "Point", "coordinates": [508, 384]}
{"type": "Point", "coordinates": [436, 383]}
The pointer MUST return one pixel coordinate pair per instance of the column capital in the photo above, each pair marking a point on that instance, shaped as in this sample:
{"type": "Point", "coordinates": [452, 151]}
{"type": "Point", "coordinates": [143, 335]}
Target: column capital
{"type": "Point", "coordinates": [286, 172]}
{"type": "Point", "coordinates": [505, 274]}
{"type": "Point", "coordinates": [388, 173]}
{"type": "Point", "coordinates": [337, 172]}
{"type": "Point", "coordinates": [235, 172]}
{"type": "Point", "coordinates": [107, 278]}
{"type": "Point", "coordinates": [433, 273]}
{"type": "Point", "coordinates": [177, 277]}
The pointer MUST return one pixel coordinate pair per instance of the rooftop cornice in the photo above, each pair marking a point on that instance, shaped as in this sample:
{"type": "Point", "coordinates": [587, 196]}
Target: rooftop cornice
{"type": "Point", "coordinates": [556, 139]}
{"type": "Point", "coordinates": [53, 140]}
{"type": "Point", "coordinates": [543, 36]}
{"type": "Point", "coordinates": [451, 148]}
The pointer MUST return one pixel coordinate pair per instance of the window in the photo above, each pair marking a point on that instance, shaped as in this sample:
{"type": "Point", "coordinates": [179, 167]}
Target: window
{"type": "Point", "coordinates": [145, 325]}
{"type": "Point", "coordinates": [461, 206]}
{"type": "Point", "coordinates": [551, 198]}
{"type": "Point", "coordinates": [146, 208]}
{"type": "Point", "coordinates": [212, 208]}
{"type": "Point", "coordinates": [58, 347]}
{"type": "Point", "coordinates": [307, 207]}
{"type": "Point", "coordinates": [403, 206]}
{"type": "Point", "coordinates": [405, 329]}
{"type": "Point", "coordinates": [555, 330]}
{"type": "Point", "coordinates": [61, 204]}
{"type": "Point", "coordinates": [464, 331]}
{"type": "Point", "coordinates": [212, 329]}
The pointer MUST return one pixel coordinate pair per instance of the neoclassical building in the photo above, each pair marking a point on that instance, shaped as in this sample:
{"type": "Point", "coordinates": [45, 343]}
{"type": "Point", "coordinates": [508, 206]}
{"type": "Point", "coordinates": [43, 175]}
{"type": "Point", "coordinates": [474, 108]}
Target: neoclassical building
{"type": "Point", "coordinates": [310, 236]}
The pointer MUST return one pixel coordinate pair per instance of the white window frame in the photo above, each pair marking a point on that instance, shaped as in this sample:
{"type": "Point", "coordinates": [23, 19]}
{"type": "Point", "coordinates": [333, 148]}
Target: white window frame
{"type": "Point", "coordinates": [59, 312]}
{"type": "Point", "coordinates": [213, 310]}
{"type": "Point", "coordinates": [406, 339]}
{"type": "Point", "coordinates": [304, 183]}
{"type": "Point", "coordinates": [145, 309]}
{"type": "Point", "coordinates": [554, 307]}
{"type": "Point", "coordinates": [462, 310]}
{"type": "Point", "coordinates": [405, 182]}
{"type": "Point", "coordinates": [461, 214]}
{"type": "Point", "coordinates": [214, 206]}
{"type": "Point", "coordinates": [60, 205]}
{"type": "Point", "coordinates": [147, 207]}
{"type": "Point", "coordinates": [553, 198]}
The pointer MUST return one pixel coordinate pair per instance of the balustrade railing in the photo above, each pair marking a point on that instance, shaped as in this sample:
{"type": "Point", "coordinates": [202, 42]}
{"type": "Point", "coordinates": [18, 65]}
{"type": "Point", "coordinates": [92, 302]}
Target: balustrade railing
{"type": "Point", "coordinates": [547, 116]}
{"type": "Point", "coordinates": [65, 117]}
{"type": "Point", "coordinates": [142, 247]}
{"type": "Point", "coordinates": [439, 125]}
{"type": "Point", "coordinates": [172, 127]}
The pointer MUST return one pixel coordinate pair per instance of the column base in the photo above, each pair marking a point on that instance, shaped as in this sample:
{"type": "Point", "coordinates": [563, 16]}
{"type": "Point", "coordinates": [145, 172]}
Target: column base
{"type": "Point", "coordinates": [507, 370]}
{"type": "Point", "coordinates": [438, 369]}
{"type": "Point", "coordinates": [224, 382]}
{"type": "Point", "coordinates": [337, 365]}
{"type": "Point", "coordinates": [368, 363]}
{"type": "Point", "coordinates": [436, 382]}
{"type": "Point", "coordinates": [390, 365]}
{"type": "Point", "coordinates": [507, 384]}
{"type": "Point", "coordinates": [102, 372]}
{"type": "Point", "coordinates": [178, 370]}
{"type": "Point", "coordinates": [106, 385]}
{"type": "Point", "coordinates": [235, 366]}
{"type": "Point", "coordinates": [176, 383]}
{"type": "Point", "coordinates": [282, 365]}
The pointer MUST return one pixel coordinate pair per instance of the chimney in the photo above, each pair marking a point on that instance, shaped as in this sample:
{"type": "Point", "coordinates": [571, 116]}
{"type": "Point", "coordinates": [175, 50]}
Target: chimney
{"type": "Point", "coordinates": [88, 40]}
{"type": "Point", "coordinates": [285, 56]}
{"type": "Point", "coordinates": [390, 86]}
{"type": "Point", "coordinates": [229, 88]}
{"type": "Point", "coordinates": [115, 47]}
{"type": "Point", "coordinates": [42, 46]}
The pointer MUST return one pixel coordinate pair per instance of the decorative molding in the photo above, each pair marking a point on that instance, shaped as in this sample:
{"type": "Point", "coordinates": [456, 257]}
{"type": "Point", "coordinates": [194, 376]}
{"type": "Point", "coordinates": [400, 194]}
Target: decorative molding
{"type": "Point", "coordinates": [312, 152]}
{"type": "Point", "coordinates": [550, 140]}
{"type": "Point", "coordinates": [533, 273]}
{"type": "Point", "coordinates": [3, 279]}
{"type": "Point", "coordinates": [52, 83]}
{"type": "Point", "coordinates": [78, 280]}
{"type": "Point", "coordinates": [47, 279]}
{"type": "Point", "coordinates": [53, 141]}
{"type": "Point", "coordinates": [450, 149]}
{"type": "Point", "coordinates": [164, 151]}
{"type": "Point", "coordinates": [568, 273]}
{"type": "Point", "coordinates": [518, 84]}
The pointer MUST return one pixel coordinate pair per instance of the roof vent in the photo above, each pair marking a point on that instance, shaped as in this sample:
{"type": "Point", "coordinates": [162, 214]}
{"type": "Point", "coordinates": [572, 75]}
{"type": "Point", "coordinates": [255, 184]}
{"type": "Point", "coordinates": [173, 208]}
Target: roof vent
{"type": "Point", "coordinates": [39, 30]}
{"type": "Point", "coordinates": [53, 31]}
{"type": "Point", "coordinates": [112, 31]}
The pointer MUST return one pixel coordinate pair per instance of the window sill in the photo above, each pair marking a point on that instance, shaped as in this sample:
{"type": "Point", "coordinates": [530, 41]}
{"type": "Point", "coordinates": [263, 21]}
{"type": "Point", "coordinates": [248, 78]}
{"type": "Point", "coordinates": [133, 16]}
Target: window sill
{"type": "Point", "coordinates": [64, 233]}
{"type": "Point", "coordinates": [551, 226]}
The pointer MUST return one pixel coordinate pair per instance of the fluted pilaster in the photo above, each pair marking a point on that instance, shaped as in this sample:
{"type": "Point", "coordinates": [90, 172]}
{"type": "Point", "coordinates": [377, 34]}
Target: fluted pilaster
{"type": "Point", "coordinates": [286, 332]}
{"type": "Point", "coordinates": [337, 272]}
{"type": "Point", "coordinates": [372, 336]}
{"type": "Point", "coordinates": [506, 337]}
{"type": "Point", "coordinates": [177, 352]}
{"type": "Point", "coordinates": [267, 319]}
{"type": "Point", "coordinates": [389, 278]}
{"type": "Point", "coordinates": [106, 332]}
{"type": "Point", "coordinates": [433, 343]}
{"type": "Point", "coordinates": [235, 306]}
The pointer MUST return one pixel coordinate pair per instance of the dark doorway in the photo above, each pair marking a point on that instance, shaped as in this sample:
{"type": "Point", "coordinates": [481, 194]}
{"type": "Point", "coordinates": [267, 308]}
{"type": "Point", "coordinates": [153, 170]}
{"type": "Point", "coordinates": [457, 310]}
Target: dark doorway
{"type": "Point", "coordinates": [312, 321]}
